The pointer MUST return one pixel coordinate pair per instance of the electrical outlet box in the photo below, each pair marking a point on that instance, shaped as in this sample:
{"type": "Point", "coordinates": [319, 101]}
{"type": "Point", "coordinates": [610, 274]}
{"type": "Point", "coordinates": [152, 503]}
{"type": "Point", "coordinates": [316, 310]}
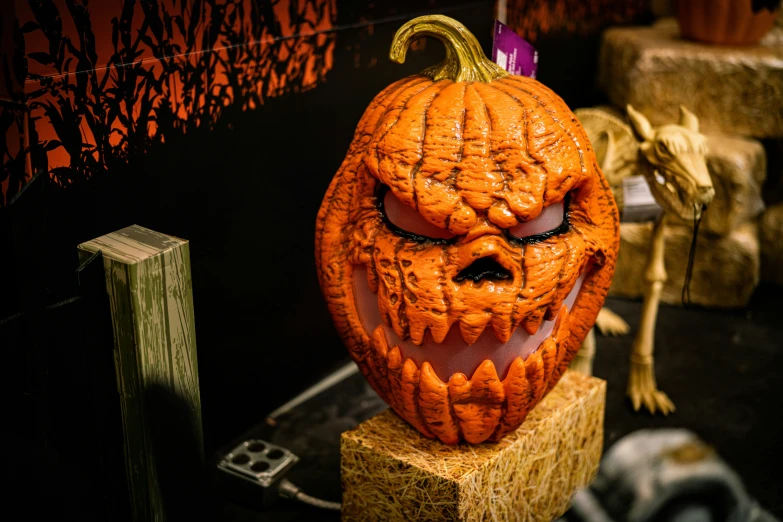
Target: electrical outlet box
{"type": "Point", "coordinates": [254, 467]}
{"type": "Point", "coordinates": [258, 461]}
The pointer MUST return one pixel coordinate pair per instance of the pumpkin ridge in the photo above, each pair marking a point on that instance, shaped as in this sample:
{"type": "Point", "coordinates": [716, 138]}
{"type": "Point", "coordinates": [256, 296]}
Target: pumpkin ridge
{"type": "Point", "coordinates": [399, 110]}
{"type": "Point", "coordinates": [410, 377]}
{"type": "Point", "coordinates": [534, 371]}
{"type": "Point", "coordinates": [487, 395]}
{"type": "Point", "coordinates": [383, 97]}
{"type": "Point", "coordinates": [455, 171]}
{"type": "Point", "coordinates": [526, 165]}
{"type": "Point", "coordinates": [433, 139]}
{"type": "Point", "coordinates": [393, 372]}
{"type": "Point", "coordinates": [533, 161]}
{"type": "Point", "coordinates": [580, 145]}
{"type": "Point", "coordinates": [327, 217]}
{"type": "Point", "coordinates": [562, 330]}
{"type": "Point", "coordinates": [523, 283]}
{"type": "Point", "coordinates": [566, 132]}
{"type": "Point", "coordinates": [389, 109]}
{"type": "Point", "coordinates": [415, 81]}
{"type": "Point", "coordinates": [383, 103]}
{"type": "Point", "coordinates": [516, 386]}
{"type": "Point", "coordinates": [406, 292]}
{"type": "Point", "coordinates": [440, 146]}
{"type": "Point", "coordinates": [434, 403]}
{"type": "Point", "coordinates": [558, 286]}
{"type": "Point", "coordinates": [517, 162]}
{"type": "Point", "coordinates": [571, 263]}
{"type": "Point", "coordinates": [489, 138]}
{"type": "Point", "coordinates": [476, 181]}
{"type": "Point", "coordinates": [420, 142]}
{"type": "Point", "coordinates": [402, 309]}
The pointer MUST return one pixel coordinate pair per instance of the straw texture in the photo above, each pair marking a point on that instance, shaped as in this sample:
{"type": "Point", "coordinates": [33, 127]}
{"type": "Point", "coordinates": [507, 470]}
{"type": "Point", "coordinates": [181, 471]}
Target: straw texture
{"type": "Point", "coordinates": [391, 472]}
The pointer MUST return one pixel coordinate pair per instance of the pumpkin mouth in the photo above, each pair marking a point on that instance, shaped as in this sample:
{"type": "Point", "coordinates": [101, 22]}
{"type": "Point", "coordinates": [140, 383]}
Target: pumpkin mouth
{"type": "Point", "coordinates": [455, 355]}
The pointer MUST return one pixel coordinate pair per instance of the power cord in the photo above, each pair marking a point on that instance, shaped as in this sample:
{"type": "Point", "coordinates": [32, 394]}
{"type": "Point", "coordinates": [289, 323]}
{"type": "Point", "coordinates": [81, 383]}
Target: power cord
{"type": "Point", "coordinates": [287, 489]}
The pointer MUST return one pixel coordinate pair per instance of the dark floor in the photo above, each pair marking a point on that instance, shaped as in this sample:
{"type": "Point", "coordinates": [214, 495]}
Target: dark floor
{"type": "Point", "coordinates": [721, 369]}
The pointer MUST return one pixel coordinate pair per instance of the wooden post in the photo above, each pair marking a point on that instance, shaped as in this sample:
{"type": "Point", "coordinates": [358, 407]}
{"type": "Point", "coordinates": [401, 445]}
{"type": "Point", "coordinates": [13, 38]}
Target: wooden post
{"type": "Point", "coordinates": [149, 285]}
{"type": "Point", "coordinates": [390, 472]}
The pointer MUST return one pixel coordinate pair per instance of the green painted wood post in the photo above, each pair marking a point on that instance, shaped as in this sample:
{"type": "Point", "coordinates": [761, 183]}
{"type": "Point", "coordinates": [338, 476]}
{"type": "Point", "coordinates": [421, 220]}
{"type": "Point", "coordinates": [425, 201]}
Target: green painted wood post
{"type": "Point", "coordinates": [150, 292]}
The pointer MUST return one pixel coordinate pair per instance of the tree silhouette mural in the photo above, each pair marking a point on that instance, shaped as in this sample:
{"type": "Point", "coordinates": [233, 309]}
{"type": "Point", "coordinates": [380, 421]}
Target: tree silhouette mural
{"type": "Point", "coordinates": [106, 80]}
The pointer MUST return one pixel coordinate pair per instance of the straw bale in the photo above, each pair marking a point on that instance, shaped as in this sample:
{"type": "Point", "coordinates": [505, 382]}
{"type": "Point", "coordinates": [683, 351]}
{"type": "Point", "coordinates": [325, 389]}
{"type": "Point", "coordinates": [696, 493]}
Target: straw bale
{"type": "Point", "coordinates": [726, 269]}
{"type": "Point", "coordinates": [771, 235]}
{"type": "Point", "coordinates": [735, 90]}
{"type": "Point", "coordinates": [391, 472]}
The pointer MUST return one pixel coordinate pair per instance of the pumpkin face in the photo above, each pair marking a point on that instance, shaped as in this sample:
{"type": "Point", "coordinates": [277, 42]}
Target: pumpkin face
{"type": "Point", "coordinates": [466, 244]}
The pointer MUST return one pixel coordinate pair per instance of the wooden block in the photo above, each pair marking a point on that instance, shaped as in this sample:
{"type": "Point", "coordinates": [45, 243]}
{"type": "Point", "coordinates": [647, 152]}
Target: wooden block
{"type": "Point", "coordinates": [151, 298]}
{"type": "Point", "coordinates": [726, 269]}
{"type": "Point", "coordinates": [734, 90]}
{"type": "Point", "coordinates": [391, 472]}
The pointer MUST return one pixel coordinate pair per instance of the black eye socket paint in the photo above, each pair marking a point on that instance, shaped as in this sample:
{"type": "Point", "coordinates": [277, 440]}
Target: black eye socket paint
{"type": "Point", "coordinates": [380, 194]}
{"type": "Point", "coordinates": [563, 228]}
{"type": "Point", "coordinates": [382, 189]}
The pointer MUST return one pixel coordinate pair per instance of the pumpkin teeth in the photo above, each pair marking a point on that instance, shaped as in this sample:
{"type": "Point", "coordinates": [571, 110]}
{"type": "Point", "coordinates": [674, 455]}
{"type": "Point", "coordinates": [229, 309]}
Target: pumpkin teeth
{"type": "Point", "coordinates": [457, 354]}
{"type": "Point", "coordinates": [435, 407]}
{"type": "Point", "coordinates": [398, 324]}
{"type": "Point", "coordinates": [439, 331]}
{"type": "Point", "coordinates": [476, 409]}
{"type": "Point", "coordinates": [418, 331]}
{"type": "Point", "coordinates": [471, 327]}
{"type": "Point", "coordinates": [533, 320]}
{"type": "Point", "coordinates": [477, 403]}
{"type": "Point", "coordinates": [502, 327]}
{"type": "Point", "coordinates": [562, 332]}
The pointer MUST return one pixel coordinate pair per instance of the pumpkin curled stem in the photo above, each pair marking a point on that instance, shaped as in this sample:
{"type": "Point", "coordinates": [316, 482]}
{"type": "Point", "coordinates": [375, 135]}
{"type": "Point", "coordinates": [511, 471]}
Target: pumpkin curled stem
{"type": "Point", "coordinates": [465, 61]}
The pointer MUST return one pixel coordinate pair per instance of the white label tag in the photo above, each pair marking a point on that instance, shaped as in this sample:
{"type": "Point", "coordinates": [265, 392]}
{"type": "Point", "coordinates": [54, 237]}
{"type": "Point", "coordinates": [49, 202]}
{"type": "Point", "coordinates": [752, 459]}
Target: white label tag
{"type": "Point", "coordinates": [638, 202]}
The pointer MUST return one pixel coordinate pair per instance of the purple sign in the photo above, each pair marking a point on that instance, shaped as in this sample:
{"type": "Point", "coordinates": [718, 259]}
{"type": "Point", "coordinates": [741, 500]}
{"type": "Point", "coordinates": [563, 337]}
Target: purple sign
{"type": "Point", "coordinates": [513, 53]}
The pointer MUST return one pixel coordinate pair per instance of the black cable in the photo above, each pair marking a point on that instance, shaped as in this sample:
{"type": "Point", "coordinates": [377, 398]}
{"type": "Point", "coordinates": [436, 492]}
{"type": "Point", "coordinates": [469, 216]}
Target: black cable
{"type": "Point", "coordinates": [289, 490]}
{"type": "Point", "coordinates": [686, 287]}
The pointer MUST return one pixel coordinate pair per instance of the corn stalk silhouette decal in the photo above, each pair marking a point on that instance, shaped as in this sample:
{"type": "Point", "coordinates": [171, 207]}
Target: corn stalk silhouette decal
{"type": "Point", "coordinates": [106, 80]}
{"type": "Point", "coordinates": [14, 154]}
{"type": "Point", "coordinates": [533, 19]}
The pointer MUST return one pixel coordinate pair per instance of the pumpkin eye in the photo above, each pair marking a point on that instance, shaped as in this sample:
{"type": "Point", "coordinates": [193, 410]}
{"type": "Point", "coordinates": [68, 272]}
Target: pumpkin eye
{"type": "Point", "coordinates": [549, 221]}
{"type": "Point", "coordinates": [407, 220]}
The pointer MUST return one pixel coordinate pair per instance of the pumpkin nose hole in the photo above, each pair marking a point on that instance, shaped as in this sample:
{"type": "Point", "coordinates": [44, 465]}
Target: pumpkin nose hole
{"type": "Point", "coordinates": [484, 268]}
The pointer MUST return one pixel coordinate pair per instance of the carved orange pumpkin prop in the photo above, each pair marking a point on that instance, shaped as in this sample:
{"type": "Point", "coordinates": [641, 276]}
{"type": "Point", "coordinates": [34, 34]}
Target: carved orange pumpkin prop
{"type": "Point", "coordinates": [467, 242]}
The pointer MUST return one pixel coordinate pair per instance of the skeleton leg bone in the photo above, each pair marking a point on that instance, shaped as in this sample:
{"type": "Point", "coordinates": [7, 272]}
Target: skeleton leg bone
{"type": "Point", "coordinates": [609, 323]}
{"type": "Point", "coordinates": [583, 360]}
{"type": "Point", "coordinates": [642, 388]}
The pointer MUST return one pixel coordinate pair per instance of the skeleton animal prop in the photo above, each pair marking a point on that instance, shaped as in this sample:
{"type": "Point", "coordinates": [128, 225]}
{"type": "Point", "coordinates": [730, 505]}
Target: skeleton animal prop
{"type": "Point", "coordinates": [671, 158]}
{"type": "Point", "coordinates": [467, 242]}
